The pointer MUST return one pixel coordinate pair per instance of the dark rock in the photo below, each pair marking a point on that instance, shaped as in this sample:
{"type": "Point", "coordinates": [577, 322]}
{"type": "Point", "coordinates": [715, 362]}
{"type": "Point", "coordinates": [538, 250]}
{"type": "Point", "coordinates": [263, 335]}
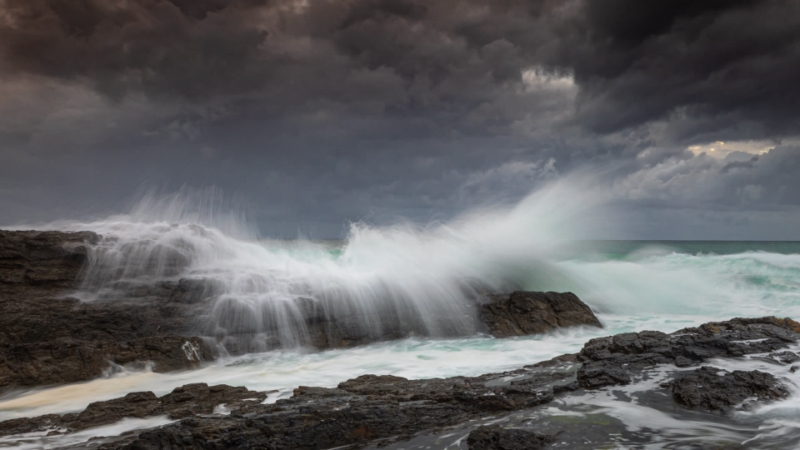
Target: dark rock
{"type": "Point", "coordinates": [524, 313]}
{"type": "Point", "coordinates": [186, 401]}
{"type": "Point", "coordinates": [719, 390]}
{"type": "Point", "coordinates": [46, 337]}
{"type": "Point", "coordinates": [45, 259]}
{"type": "Point", "coordinates": [611, 360]}
{"type": "Point", "coordinates": [786, 357]}
{"type": "Point", "coordinates": [358, 411]}
{"type": "Point", "coordinates": [138, 320]}
{"type": "Point", "coordinates": [372, 407]}
{"type": "Point", "coordinates": [68, 360]}
{"type": "Point", "coordinates": [494, 437]}
{"type": "Point", "coordinates": [30, 425]}
{"type": "Point", "coordinates": [598, 374]}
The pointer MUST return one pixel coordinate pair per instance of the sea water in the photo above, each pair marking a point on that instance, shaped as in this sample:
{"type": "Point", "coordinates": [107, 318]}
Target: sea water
{"type": "Point", "coordinates": [426, 277]}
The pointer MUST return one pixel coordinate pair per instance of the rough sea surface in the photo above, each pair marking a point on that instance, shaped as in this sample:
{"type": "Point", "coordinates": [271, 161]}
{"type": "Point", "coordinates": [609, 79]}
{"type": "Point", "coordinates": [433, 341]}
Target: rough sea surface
{"type": "Point", "coordinates": [632, 285]}
{"type": "Point", "coordinates": [426, 277]}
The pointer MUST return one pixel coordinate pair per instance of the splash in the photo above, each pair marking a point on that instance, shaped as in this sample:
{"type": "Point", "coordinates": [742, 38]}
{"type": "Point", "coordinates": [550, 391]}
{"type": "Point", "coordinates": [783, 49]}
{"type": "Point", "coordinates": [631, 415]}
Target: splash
{"type": "Point", "coordinates": [380, 282]}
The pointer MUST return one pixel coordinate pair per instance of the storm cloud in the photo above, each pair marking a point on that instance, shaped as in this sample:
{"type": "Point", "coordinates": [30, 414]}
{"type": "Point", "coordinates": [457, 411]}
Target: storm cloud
{"type": "Point", "coordinates": [322, 112]}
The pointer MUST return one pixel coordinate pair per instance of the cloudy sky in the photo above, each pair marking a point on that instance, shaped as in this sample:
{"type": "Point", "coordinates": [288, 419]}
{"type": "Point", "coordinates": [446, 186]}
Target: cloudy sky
{"type": "Point", "coordinates": [314, 113]}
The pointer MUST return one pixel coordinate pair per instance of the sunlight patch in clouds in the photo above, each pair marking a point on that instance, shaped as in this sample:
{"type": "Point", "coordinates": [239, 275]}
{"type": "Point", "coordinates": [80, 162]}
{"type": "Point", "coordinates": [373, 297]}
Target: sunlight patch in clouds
{"type": "Point", "coordinates": [721, 149]}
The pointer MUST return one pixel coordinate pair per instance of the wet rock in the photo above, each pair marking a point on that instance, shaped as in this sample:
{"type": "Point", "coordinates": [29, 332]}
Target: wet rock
{"type": "Point", "coordinates": [786, 357]}
{"type": "Point", "coordinates": [494, 437]}
{"type": "Point", "coordinates": [68, 360]}
{"type": "Point", "coordinates": [524, 313]}
{"type": "Point", "coordinates": [386, 408]}
{"type": "Point", "coordinates": [29, 425]}
{"type": "Point", "coordinates": [357, 411]}
{"type": "Point", "coordinates": [186, 401]}
{"type": "Point", "coordinates": [598, 374]}
{"type": "Point", "coordinates": [719, 390]}
{"type": "Point", "coordinates": [140, 320]}
{"type": "Point", "coordinates": [611, 360]}
{"type": "Point", "coordinates": [47, 337]}
{"type": "Point", "coordinates": [44, 259]}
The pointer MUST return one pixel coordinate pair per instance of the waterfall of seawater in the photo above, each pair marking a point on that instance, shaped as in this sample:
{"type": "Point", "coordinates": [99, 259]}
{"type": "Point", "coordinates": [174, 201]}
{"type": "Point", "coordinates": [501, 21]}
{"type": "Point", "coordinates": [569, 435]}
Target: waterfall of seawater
{"type": "Point", "coordinates": [380, 282]}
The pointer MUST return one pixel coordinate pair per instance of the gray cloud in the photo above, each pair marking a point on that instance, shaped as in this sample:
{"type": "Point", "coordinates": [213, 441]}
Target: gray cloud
{"type": "Point", "coordinates": [328, 111]}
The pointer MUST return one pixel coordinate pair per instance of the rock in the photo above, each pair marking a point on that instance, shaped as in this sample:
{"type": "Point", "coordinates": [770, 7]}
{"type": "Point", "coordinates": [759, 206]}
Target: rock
{"type": "Point", "coordinates": [45, 259]}
{"type": "Point", "coordinates": [786, 357]}
{"type": "Point", "coordinates": [719, 390]}
{"type": "Point", "coordinates": [29, 425]}
{"type": "Point", "coordinates": [186, 401]}
{"type": "Point", "coordinates": [494, 437]}
{"type": "Point", "coordinates": [135, 321]}
{"type": "Point", "coordinates": [611, 360]}
{"type": "Point", "coordinates": [68, 360]}
{"type": "Point", "coordinates": [39, 272]}
{"type": "Point", "coordinates": [523, 313]}
{"type": "Point", "coordinates": [358, 411]}
{"type": "Point", "coordinates": [368, 408]}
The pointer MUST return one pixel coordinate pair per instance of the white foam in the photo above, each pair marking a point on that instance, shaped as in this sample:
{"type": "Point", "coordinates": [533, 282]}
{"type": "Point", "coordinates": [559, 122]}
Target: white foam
{"type": "Point", "coordinates": [41, 441]}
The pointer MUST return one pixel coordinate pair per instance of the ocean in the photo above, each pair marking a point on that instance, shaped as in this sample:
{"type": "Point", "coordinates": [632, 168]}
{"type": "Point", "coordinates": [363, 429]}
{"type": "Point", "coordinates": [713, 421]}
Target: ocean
{"type": "Point", "coordinates": [423, 277]}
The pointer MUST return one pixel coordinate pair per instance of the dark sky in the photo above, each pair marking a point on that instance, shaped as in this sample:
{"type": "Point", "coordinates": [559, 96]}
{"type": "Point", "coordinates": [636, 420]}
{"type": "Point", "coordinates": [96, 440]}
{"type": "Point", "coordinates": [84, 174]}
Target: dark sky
{"type": "Point", "coordinates": [315, 113]}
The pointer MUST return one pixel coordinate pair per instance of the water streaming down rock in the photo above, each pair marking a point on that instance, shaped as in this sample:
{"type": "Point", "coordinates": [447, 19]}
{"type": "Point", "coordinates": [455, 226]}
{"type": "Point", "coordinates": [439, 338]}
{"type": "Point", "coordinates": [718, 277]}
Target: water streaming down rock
{"type": "Point", "coordinates": [380, 283]}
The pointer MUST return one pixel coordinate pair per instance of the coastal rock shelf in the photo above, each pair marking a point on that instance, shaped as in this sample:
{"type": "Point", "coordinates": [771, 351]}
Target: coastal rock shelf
{"type": "Point", "coordinates": [389, 410]}
{"type": "Point", "coordinates": [48, 336]}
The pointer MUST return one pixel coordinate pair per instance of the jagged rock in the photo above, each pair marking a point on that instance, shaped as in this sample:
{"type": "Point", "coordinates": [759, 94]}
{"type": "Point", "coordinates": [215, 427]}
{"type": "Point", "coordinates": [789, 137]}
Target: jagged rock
{"type": "Point", "coordinates": [719, 390]}
{"type": "Point", "coordinates": [357, 411]}
{"type": "Point", "coordinates": [384, 407]}
{"type": "Point", "coordinates": [610, 360]}
{"type": "Point", "coordinates": [494, 437]}
{"type": "Point", "coordinates": [523, 313]}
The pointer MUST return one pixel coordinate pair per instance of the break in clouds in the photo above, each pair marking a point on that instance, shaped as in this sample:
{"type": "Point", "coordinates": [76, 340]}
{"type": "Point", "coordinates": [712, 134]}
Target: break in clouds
{"type": "Point", "coordinates": [316, 113]}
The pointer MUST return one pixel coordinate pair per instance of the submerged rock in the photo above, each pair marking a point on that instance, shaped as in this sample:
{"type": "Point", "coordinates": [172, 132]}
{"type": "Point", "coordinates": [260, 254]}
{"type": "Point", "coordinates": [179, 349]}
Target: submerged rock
{"type": "Point", "coordinates": [494, 437]}
{"type": "Point", "coordinates": [523, 313]}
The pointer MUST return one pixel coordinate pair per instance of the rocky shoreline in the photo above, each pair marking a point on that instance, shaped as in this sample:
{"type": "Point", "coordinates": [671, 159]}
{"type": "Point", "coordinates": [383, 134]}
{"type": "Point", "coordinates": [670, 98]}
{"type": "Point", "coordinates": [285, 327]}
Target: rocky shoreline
{"type": "Point", "coordinates": [389, 410]}
{"type": "Point", "coordinates": [47, 337]}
